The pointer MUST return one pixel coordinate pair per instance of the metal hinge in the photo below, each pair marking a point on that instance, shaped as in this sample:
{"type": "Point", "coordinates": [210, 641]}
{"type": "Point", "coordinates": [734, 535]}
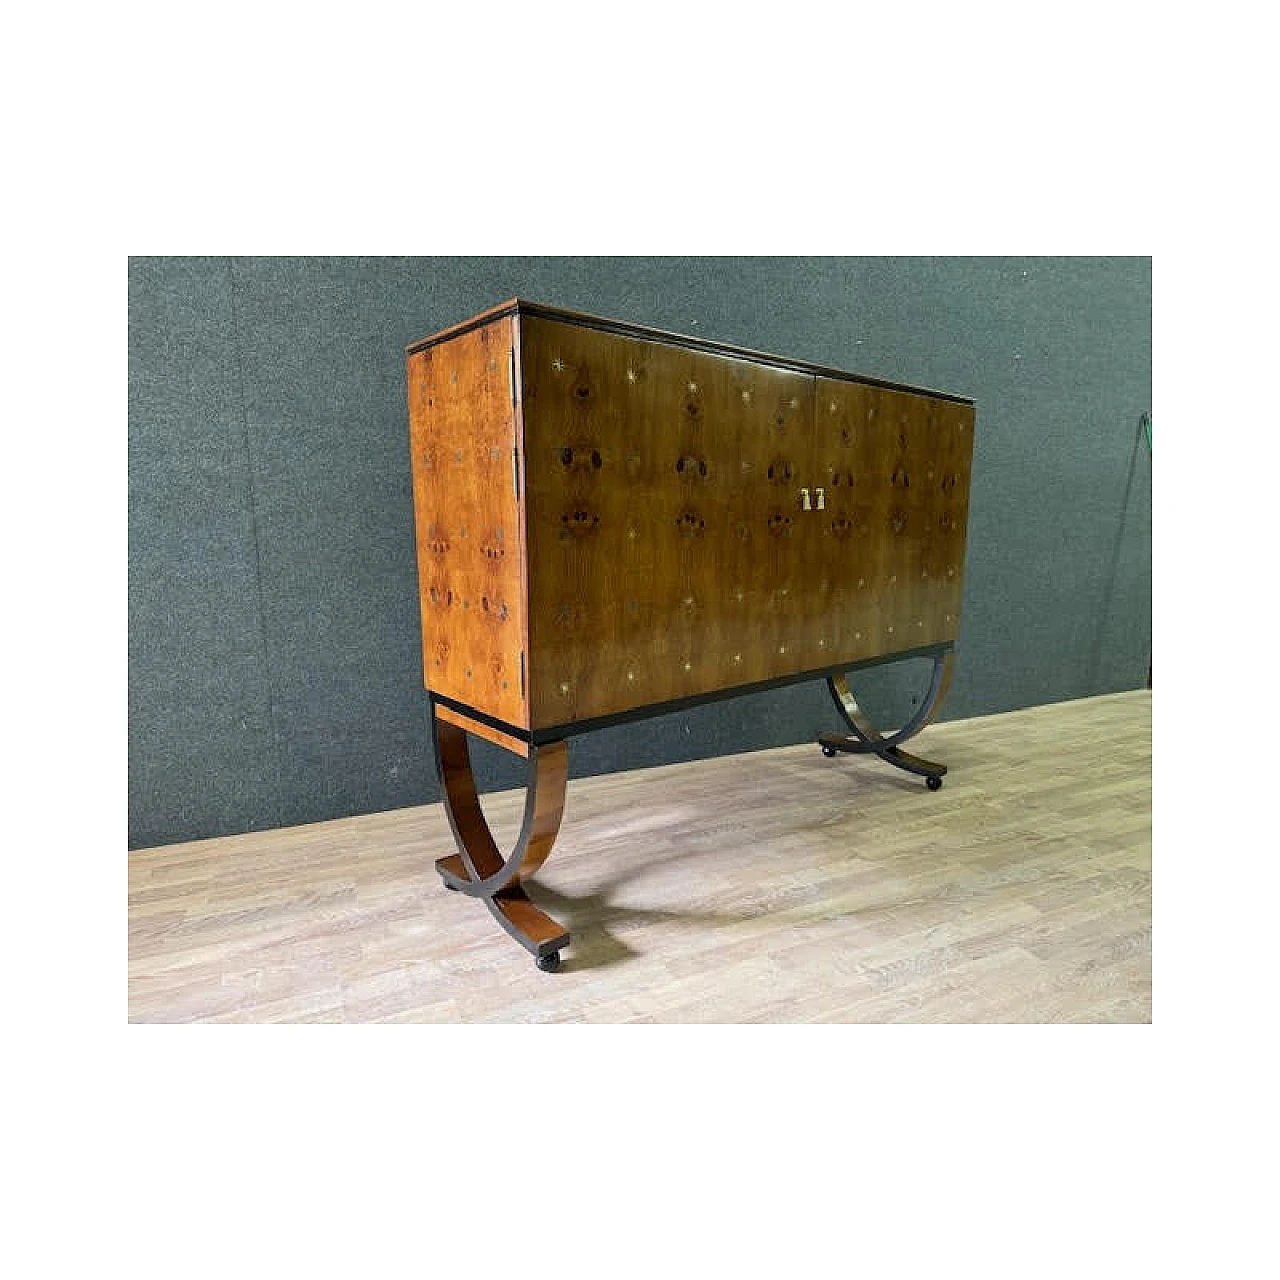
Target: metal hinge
{"type": "Point", "coordinates": [511, 373]}
{"type": "Point", "coordinates": [522, 674]}
{"type": "Point", "coordinates": [515, 471]}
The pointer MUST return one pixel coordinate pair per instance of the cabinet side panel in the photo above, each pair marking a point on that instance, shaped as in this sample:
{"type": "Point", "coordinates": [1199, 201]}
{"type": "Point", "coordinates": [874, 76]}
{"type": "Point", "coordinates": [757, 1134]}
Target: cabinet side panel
{"type": "Point", "coordinates": [663, 501]}
{"type": "Point", "coordinates": [895, 469]}
{"type": "Point", "coordinates": [469, 521]}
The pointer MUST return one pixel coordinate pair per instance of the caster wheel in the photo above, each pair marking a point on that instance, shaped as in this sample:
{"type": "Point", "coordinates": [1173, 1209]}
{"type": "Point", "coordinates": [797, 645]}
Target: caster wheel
{"type": "Point", "coordinates": [933, 782]}
{"type": "Point", "coordinates": [829, 752]}
{"type": "Point", "coordinates": [550, 962]}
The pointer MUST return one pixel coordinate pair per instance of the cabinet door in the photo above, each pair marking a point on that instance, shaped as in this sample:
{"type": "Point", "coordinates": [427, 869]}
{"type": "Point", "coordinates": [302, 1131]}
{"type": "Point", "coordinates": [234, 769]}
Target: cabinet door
{"type": "Point", "coordinates": [895, 473]}
{"type": "Point", "coordinates": [663, 520]}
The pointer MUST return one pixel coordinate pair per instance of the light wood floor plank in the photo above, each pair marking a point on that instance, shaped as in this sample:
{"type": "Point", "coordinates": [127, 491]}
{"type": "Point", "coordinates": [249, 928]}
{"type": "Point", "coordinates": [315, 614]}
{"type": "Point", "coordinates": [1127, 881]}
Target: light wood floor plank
{"type": "Point", "coordinates": [777, 886]}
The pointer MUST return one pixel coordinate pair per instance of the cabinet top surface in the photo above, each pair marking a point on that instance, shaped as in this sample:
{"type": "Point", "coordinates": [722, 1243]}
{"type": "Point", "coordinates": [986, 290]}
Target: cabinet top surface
{"type": "Point", "coordinates": [522, 306]}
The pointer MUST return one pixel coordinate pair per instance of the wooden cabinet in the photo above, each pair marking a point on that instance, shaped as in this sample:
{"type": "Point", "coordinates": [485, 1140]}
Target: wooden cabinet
{"type": "Point", "coordinates": [614, 521]}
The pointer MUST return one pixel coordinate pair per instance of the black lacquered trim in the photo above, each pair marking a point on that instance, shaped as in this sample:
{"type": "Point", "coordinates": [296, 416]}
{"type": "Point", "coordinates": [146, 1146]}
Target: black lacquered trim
{"type": "Point", "coordinates": [557, 733]}
{"type": "Point", "coordinates": [625, 329]}
{"type": "Point", "coordinates": [492, 721]}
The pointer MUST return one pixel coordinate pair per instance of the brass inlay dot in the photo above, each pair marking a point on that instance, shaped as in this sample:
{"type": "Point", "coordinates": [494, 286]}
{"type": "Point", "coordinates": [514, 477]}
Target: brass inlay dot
{"type": "Point", "coordinates": [862, 582]}
{"type": "Point", "coordinates": [794, 403]}
{"type": "Point", "coordinates": [822, 644]}
{"type": "Point", "coordinates": [857, 635]}
{"type": "Point", "coordinates": [832, 408]}
{"type": "Point", "coordinates": [737, 657]}
{"type": "Point", "coordinates": [746, 397]}
{"type": "Point", "coordinates": [631, 375]}
{"type": "Point", "coordinates": [688, 666]}
{"type": "Point", "coordinates": [564, 689]}
{"type": "Point", "coordinates": [893, 578]}
{"type": "Point", "coordinates": [631, 533]}
{"type": "Point", "coordinates": [693, 388]}
{"type": "Point", "coordinates": [951, 573]}
{"type": "Point", "coordinates": [891, 631]}
{"type": "Point", "coordinates": [782, 648]}
{"type": "Point", "coordinates": [558, 365]}
{"type": "Point", "coordinates": [631, 676]}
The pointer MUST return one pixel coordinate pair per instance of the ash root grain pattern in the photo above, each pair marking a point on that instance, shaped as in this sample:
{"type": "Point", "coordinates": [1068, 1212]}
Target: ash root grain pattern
{"type": "Point", "coordinates": [777, 886]}
{"type": "Point", "coordinates": [612, 519]}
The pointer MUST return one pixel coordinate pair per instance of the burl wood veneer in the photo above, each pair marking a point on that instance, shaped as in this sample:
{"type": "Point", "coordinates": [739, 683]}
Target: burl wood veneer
{"type": "Point", "coordinates": [613, 521]}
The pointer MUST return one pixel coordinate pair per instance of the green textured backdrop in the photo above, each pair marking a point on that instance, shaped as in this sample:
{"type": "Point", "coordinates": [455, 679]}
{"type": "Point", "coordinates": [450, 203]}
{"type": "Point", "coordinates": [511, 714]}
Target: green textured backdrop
{"type": "Point", "coordinates": [274, 667]}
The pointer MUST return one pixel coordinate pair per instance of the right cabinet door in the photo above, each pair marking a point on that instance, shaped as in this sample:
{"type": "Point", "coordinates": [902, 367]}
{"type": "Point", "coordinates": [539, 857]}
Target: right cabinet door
{"type": "Point", "coordinates": [893, 467]}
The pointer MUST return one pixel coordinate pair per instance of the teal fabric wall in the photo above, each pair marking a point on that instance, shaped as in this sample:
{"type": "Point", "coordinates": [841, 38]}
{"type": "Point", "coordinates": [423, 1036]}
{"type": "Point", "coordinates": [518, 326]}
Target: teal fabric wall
{"type": "Point", "coordinates": [274, 668]}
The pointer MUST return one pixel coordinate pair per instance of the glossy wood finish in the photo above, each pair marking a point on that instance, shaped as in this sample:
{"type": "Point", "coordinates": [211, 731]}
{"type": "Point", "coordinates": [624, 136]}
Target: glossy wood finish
{"type": "Point", "coordinates": [691, 518]}
{"type": "Point", "coordinates": [663, 508]}
{"type": "Point", "coordinates": [478, 869]}
{"type": "Point", "coordinates": [525, 308]}
{"type": "Point", "coordinates": [612, 519]}
{"type": "Point", "coordinates": [699, 522]}
{"type": "Point", "coordinates": [517, 746]}
{"type": "Point", "coordinates": [469, 521]}
{"type": "Point", "coordinates": [895, 466]}
{"type": "Point", "coordinates": [866, 737]}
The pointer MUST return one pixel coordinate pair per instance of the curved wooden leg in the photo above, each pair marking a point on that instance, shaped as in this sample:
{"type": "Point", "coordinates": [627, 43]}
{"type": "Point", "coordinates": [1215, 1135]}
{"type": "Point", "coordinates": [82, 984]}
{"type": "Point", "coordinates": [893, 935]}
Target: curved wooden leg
{"type": "Point", "coordinates": [478, 869]}
{"type": "Point", "coordinates": [867, 738]}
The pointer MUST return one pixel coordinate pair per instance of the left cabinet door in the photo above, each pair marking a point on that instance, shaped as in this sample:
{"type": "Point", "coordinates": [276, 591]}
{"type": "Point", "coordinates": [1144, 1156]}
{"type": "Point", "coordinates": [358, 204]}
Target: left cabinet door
{"type": "Point", "coordinates": [665, 520]}
{"type": "Point", "coordinates": [469, 515]}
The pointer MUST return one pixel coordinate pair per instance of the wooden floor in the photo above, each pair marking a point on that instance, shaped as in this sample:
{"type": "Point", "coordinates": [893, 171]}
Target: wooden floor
{"type": "Point", "coordinates": [777, 886]}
